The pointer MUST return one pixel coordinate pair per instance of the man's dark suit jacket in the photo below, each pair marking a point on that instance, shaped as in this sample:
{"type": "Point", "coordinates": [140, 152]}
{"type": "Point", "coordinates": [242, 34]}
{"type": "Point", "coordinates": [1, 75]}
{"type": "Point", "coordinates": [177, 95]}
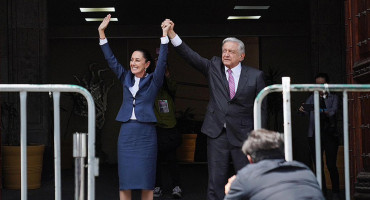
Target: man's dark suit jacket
{"type": "Point", "coordinates": [275, 179]}
{"type": "Point", "coordinates": [236, 113]}
{"type": "Point", "coordinates": [148, 87]}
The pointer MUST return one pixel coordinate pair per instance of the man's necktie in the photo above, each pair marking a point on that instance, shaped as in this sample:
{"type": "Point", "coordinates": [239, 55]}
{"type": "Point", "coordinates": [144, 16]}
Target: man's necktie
{"type": "Point", "coordinates": [231, 84]}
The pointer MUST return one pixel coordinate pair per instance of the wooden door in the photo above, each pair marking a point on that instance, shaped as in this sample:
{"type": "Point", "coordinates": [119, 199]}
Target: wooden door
{"type": "Point", "coordinates": [357, 27]}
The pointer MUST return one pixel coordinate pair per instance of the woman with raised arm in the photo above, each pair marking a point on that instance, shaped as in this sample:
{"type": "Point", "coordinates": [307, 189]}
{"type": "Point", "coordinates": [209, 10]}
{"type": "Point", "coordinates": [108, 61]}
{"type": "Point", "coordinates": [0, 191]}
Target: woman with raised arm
{"type": "Point", "coordinates": [137, 141]}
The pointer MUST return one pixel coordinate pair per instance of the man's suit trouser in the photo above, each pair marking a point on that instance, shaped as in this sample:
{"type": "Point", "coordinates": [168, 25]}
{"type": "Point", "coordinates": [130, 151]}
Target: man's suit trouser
{"type": "Point", "coordinates": [219, 151]}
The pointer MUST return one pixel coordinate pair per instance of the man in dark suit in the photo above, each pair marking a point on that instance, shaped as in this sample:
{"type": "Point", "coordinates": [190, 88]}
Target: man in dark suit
{"type": "Point", "coordinates": [229, 116]}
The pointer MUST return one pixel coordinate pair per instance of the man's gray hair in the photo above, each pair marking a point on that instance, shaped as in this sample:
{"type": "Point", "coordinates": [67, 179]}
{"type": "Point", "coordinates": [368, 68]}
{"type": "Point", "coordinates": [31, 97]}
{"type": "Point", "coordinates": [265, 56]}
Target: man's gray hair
{"type": "Point", "coordinates": [240, 43]}
{"type": "Point", "coordinates": [262, 144]}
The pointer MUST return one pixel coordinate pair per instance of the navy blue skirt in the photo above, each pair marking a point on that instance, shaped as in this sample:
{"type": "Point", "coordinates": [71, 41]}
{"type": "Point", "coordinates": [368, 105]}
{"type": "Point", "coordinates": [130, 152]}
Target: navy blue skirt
{"type": "Point", "coordinates": [137, 155]}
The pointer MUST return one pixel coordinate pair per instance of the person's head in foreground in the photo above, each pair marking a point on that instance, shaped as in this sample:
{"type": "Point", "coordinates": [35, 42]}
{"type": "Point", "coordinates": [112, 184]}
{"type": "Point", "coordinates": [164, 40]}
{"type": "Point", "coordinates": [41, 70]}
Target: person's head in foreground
{"type": "Point", "coordinates": [263, 144]}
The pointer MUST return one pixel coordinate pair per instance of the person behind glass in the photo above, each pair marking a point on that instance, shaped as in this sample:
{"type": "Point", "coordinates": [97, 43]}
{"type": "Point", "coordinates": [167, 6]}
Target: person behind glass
{"type": "Point", "coordinates": [229, 117]}
{"type": "Point", "coordinates": [328, 131]}
{"type": "Point", "coordinates": [167, 136]}
{"type": "Point", "coordinates": [137, 141]}
{"type": "Point", "coordinates": [269, 176]}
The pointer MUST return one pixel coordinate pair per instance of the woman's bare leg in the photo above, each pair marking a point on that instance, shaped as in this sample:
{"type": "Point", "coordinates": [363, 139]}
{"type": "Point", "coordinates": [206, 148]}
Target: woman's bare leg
{"type": "Point", "coordinates": [125, 194]}
{"type": "Point", "coordinates": [146, 194]}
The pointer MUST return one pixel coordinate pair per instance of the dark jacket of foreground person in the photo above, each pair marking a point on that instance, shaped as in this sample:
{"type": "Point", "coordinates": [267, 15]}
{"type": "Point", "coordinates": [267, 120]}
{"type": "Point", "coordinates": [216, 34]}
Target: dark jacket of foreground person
{"type": "Point", "coordinates": [275, 179]}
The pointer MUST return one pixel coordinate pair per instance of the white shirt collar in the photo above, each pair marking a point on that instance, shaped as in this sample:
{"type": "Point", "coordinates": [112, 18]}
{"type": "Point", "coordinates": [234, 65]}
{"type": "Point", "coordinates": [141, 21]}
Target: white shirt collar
{"type": "Point", "coordinates": [236, 70]}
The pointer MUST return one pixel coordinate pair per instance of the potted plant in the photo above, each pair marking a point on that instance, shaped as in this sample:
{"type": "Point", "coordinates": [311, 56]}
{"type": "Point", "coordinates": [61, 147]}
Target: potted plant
{"type": "Point", "coordinates": [76, 111]}
{"type": "Point", "coordinates": [10, 126]}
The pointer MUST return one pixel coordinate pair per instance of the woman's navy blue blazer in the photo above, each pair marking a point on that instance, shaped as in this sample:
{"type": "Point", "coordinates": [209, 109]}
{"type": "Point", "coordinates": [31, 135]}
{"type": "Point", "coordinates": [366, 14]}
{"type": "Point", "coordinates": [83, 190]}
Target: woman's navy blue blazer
{"type": "Point", "coordinates": [148, 87]}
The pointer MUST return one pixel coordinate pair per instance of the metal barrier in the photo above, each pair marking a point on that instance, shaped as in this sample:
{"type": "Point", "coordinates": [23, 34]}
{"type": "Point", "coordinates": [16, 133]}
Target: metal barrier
{"type": "Point", "coordinates": [92, 162]}
{"type": "Point", "coordinates": [286, 88]}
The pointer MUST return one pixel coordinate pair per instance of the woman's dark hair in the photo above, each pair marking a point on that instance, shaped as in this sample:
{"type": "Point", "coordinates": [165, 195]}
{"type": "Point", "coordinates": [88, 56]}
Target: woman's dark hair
{"type": "Point", "coordinates": [148, 57]}
{"type": "Point", "coordinates": [324, 76]}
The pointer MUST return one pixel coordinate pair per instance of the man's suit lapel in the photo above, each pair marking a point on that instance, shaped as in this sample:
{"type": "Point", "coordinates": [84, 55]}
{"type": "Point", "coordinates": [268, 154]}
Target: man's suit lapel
{"type": "Point", "coordinates": [225, 83]}
{"type": "Point", "coordinates": [242, 81]}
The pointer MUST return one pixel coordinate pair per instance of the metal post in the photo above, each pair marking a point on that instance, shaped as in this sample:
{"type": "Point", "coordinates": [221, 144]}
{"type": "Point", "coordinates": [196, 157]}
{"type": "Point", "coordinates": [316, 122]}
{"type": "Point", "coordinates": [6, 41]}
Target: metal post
{"type": "Point", "coordinates": [346, 144]}
{"type": "Point", "coordinates": [257, 107]}
{"type": "Point", "coordinates": [257, 124]}
{"type": "Point", "coordinates": [317, 138]}
{"type": "Point", "coordinates": [57, 167]}
{"type": "Point", "coordinates": [79, 153]}
{"type": "Point", "coordinates": [23, 99]}
{"type": "Point", "coordinates": [92, 161]}
{"type": "Point", "coordinates": [287, 120]}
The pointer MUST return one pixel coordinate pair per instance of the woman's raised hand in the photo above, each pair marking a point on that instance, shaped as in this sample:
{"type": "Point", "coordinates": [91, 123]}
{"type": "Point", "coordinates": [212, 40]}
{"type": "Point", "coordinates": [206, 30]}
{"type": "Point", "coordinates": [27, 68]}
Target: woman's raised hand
{"type": "Point", "coordinates": [103, 26]}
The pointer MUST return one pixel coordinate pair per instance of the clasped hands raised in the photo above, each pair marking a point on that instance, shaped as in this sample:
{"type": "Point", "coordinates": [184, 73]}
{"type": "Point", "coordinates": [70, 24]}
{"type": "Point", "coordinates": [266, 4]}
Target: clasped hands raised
{"type": "Point", "coordinates": [167, 26]}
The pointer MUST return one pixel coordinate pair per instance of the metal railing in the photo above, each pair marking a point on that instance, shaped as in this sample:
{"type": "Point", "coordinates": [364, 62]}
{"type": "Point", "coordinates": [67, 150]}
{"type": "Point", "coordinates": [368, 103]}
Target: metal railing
{"type": "Point", "coordinates": [92, 162]}
{"type": "Point", "coordinates": [286, 88]}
